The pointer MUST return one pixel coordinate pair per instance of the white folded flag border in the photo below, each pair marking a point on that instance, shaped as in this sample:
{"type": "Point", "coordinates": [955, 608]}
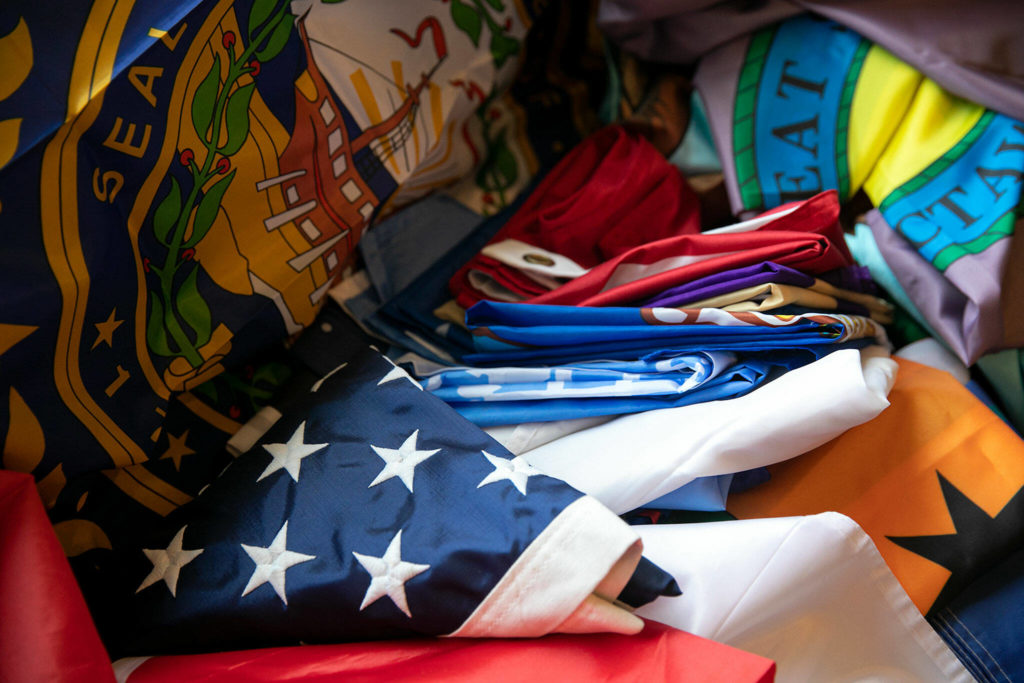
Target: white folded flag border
{"type": "Point", "coordinates": [632, 460]}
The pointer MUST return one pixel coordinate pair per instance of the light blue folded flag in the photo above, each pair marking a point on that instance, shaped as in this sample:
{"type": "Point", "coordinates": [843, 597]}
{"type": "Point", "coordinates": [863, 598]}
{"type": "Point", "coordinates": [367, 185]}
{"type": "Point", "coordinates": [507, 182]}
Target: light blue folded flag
{"type": "Point", "coordinates": [592, 379]}
{"type": "Point", "coordinates": [513, 395]}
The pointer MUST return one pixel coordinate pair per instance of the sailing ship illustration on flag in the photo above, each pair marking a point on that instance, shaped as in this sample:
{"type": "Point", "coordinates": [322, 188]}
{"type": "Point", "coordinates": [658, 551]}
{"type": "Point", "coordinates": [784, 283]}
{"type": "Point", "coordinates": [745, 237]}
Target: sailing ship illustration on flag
{"type": "Point", "coordinates": [333, 173]}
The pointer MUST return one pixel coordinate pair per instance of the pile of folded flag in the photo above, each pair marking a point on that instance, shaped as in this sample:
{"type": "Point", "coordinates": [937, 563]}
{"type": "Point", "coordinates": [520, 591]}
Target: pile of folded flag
{"type": "Point", "coordinates": [607, 335]}
{"type": "Point", "coordinates": [649, 312]}
{"type": "Point", "coordinates": [354, 341]}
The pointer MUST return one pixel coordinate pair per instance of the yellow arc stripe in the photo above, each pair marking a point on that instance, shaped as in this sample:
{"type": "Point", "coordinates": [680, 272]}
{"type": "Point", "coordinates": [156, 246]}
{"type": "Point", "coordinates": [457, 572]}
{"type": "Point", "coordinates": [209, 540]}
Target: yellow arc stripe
{"type": "Point", "coordinates": [148, 489]}
{"type": "Point", "coordinates": [94, 64]}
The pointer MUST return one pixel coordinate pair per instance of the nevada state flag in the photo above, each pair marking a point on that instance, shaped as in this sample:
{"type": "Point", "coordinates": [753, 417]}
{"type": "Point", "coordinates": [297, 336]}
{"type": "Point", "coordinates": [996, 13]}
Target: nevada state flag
{"type": "Point", "coordinates": [369, 510]}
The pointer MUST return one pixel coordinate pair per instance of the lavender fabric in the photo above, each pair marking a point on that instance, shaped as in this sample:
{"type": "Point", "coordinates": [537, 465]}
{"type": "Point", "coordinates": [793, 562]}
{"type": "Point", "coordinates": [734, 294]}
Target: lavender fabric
{"type": "Point", "coordinates": [966, 304]}
{"type": "Point", "coordinates": [971, 49]}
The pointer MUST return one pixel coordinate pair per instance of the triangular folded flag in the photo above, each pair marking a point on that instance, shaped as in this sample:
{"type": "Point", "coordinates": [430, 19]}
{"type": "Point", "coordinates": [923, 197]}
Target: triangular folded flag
{"type": "Point", "coordinates": [369, 510]}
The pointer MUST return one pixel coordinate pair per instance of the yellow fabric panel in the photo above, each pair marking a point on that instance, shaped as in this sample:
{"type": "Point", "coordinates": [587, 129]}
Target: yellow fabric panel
{"type": "Point", "coordinates": [935, 122]}
{"type": "Point", "coordinates": [885, 89]}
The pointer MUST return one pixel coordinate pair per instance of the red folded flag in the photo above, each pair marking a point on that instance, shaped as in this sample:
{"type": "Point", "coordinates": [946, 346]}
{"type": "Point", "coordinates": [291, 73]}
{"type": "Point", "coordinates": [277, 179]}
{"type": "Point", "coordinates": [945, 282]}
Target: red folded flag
{"type": "Point", "coordinates": [612, 193]}
{"type": "Point", "coordinates": [658, 653]}
{"type": "Point", "coordinates": [808, 238]}
{"type": "Point", "coordinates": [46, 633]}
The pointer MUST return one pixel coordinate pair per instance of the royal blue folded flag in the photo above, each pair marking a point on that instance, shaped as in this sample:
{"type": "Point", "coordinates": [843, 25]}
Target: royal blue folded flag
{"type": "Point", "coordinates": [514, 333]}
{"type": "Point", "coordinates": [369, 510]}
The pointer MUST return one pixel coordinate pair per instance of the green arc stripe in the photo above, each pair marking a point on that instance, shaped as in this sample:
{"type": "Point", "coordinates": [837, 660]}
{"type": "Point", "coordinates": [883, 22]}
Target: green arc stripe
{"type": "Point", "coordinates": [743, 118]}
{"type": "Point", "coordinates": [1000, 229]}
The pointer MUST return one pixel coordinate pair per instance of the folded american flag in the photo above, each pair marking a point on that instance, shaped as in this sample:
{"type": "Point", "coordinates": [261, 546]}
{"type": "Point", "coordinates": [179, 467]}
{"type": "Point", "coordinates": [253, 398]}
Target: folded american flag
{"type": "Point", "coordinates": [370, 510]}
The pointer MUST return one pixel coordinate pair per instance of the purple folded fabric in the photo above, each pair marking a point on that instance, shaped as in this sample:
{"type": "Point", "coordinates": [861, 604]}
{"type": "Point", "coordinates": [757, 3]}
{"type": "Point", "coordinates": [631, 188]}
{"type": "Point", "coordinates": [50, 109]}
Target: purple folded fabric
{"type": "Point", "coordinates": [729, 281]}
{"type": "Point", "coordinates": [852, 278]}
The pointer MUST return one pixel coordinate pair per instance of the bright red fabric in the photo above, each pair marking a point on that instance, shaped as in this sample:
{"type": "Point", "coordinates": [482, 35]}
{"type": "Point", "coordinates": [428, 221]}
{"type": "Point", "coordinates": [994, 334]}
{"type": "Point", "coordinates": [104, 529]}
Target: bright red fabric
{"type": "Point", "coordinates": [46, 633]}
{"type": "Point", "coordinates": [809, 239]}
{"type": "Point", "coordinates": [658, 653]}
{"type": "Point", "coordinates": [612, 193]}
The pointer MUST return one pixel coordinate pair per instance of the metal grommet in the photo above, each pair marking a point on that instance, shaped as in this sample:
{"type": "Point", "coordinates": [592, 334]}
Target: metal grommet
{"type": "Point", "coordinates": [539, 259]}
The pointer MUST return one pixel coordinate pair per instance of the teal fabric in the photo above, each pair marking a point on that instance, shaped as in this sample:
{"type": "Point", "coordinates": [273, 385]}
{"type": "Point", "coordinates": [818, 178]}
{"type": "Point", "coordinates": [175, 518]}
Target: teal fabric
{"type": "Point", "coordinates": [696, 153]}
{"type": "Point", "coordinates": [1002, 369]}
{"type": "Point", "coordinates": [865, 252]}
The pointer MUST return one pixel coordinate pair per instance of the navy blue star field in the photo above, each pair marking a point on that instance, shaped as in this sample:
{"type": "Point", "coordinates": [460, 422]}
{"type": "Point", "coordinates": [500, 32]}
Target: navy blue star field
{"type": "Point", "coordinates": [369, 510]}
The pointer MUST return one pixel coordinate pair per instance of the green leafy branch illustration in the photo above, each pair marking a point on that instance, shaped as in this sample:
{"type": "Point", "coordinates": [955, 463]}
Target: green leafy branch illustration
{"type": "Point", "coordinates": [499, 170]}
{"type": "Point", "coordinates": [180, 321]}
{"type": "Point", "coordinates": [472, 15]}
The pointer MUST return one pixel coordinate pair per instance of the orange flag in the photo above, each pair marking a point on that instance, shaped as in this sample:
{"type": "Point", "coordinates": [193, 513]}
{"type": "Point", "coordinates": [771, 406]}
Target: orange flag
{"type": "Point", "coordinates": [935, 480]}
